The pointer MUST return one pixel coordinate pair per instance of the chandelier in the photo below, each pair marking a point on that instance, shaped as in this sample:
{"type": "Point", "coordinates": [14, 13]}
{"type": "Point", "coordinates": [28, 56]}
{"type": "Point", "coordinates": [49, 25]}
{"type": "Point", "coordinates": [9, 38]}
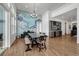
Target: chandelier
{"type": "Point", "coordinates": [34, 14]}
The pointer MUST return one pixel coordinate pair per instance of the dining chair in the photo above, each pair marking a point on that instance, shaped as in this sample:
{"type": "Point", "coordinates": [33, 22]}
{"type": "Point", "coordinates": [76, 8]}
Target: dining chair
{"type": "Point", "coordinates": [1, 37]}
{"type": "Point", "coordinates": [42, 43]}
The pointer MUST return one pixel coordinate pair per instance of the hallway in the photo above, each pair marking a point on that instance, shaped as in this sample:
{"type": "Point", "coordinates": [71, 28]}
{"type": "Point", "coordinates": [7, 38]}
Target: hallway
{"type": "Point", "coordinates": [58, 46]}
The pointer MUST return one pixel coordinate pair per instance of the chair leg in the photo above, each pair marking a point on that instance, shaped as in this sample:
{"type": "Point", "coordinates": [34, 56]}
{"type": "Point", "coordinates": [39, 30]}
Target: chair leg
{"type": "Point", "coordinates": [28, 48]}
{"type": "Point", "coordinates": [39, 47]}
{"type": "Point", "coordinates": [32, 44]}
{"type": "Point", "coordinates": [45, 47]}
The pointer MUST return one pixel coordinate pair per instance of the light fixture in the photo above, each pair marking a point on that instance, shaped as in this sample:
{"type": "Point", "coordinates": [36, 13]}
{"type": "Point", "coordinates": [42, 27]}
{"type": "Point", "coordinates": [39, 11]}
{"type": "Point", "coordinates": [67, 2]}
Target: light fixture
{"type": "Point", "coordinates": [34, 11]}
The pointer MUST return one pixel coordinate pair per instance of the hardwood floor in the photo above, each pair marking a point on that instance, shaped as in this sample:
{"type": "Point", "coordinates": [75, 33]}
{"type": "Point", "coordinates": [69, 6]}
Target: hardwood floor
{"type": "Point", "coordinates": [59, 46]}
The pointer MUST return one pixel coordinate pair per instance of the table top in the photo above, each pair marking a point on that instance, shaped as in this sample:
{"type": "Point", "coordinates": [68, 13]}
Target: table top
{"type": "Point", "coordinates": [35, 35]}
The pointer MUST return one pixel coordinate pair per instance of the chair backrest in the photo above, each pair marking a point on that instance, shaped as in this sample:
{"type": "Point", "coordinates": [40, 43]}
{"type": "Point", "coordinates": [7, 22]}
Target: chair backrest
{"type": "Point", "coordinates": [28, 36]}
{"type": "Point", "coordinates": [74, 27]}
{"type": "Point", "coordinates": [1, 37]}
{"type": "Point", "coordinates": [41, 38]}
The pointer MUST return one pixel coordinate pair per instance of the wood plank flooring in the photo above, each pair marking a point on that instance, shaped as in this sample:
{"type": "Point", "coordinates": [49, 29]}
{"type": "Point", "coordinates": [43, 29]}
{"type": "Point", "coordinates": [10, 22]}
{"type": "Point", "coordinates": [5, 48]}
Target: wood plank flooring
{"type": "Point", "coordinates": [59, 46]}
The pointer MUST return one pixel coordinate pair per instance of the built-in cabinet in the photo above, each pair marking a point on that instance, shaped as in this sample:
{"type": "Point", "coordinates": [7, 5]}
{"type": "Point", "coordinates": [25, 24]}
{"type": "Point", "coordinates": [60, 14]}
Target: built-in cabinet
{"type": "Point", "coordinates": [55, 29]}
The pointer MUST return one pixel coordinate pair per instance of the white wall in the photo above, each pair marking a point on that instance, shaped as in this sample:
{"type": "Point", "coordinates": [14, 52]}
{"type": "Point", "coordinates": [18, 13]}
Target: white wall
{"type": "Point", "coordinates": [45, 23]}
{"type": "Point", "coordinates": [68, 30]}
{"type": "Point", "coordinates": [66, 8]}
{"type": "Point", "coordinates": [38, 27]}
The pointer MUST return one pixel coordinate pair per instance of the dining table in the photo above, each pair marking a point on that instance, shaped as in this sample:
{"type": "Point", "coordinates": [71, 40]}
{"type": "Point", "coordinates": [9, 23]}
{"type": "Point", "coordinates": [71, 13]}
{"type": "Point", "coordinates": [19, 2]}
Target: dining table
{"type": "Point", "coordinates": [35, 37]}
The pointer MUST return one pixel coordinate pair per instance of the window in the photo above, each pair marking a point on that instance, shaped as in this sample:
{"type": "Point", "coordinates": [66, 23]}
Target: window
{"type": "Point", "coordinates": [2, 25]}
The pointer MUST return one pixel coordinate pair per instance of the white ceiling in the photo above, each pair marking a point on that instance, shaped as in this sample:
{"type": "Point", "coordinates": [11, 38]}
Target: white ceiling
{"type": "Point", "coordinates": [39, 7]}
{"type": "Point", "coordinates": [70, 15]}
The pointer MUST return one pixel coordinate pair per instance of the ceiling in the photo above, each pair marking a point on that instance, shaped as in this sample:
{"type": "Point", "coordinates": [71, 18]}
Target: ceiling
{"type": "Point", "coordinates": [70, 15]}
{"type": "Point", "coordinates": [39, 8]}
